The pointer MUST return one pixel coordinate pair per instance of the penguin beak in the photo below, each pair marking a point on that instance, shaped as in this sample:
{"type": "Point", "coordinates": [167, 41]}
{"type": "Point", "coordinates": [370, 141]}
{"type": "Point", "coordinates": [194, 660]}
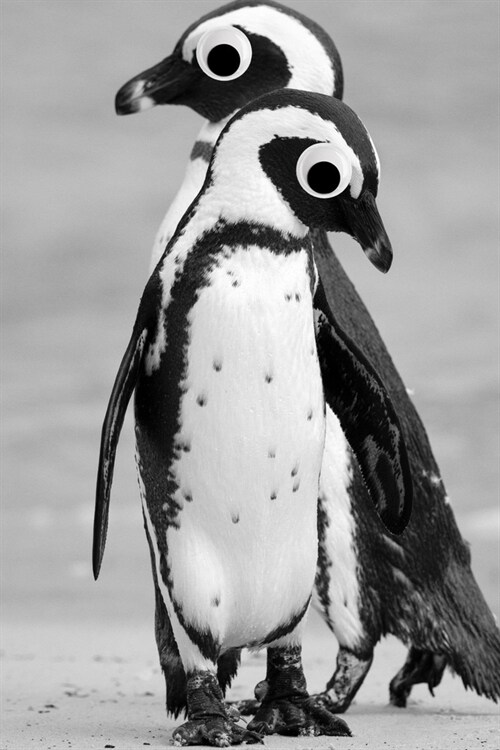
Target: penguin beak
{"type": "Point", "coordinates": [161, 84]}
{"type": "Point", "coordinates": [365, 225]}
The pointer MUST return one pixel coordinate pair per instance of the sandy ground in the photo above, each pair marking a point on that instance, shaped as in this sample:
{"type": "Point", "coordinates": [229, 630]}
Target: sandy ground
{"type": "Point", "coordinates": [97, 689]}
{"type": "Point", "coordinates": [82, 195]}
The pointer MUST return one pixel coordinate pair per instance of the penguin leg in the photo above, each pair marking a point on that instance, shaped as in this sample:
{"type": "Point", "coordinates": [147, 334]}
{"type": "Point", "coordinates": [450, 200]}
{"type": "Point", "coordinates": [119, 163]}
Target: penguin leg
{"type": "Point", "coordinates": [420, 666]}
{"type": "Point", "coordinates": [209, 721]}
{"type": "Point", "coordinates": [171, 663]}
{"type": "Point", "coordinates": [287, 708]}
{"type": "Point", "coordinates": [339, 693]}
{"type": "Point", "coordinates": [345, 682]}
{"type": "Point", "coordinates": [170, 660]}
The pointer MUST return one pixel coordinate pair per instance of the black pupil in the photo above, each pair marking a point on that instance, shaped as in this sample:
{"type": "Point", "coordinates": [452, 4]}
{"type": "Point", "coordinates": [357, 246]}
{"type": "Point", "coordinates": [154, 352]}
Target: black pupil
{"type": "Point", "coordinates": [223, 60]}
{"type": "Point", "coordinates": [323, 177]}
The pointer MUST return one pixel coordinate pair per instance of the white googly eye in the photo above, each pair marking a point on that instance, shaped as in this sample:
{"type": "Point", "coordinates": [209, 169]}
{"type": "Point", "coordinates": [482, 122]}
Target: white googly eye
{"type": "Point", "coordinates": [323, 170]}
{"type": "Point", "coordinates": [224, 53]}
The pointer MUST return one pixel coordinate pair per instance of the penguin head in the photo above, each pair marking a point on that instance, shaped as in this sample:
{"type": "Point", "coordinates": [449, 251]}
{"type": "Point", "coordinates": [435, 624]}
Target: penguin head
{"type": "Point", "coordinates": [310, 163]}
{"type": "Point", "coordinates": [234, 54]}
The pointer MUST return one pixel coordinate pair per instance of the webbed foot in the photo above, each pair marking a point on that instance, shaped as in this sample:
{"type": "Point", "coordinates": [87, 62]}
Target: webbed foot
{"type": "Point", "coordinates": [286, 707]}
{"type": "Point", "coordinates": [297, 716]}
{"type": "Point", "coordinates": [420, 666]}
{"type": "Point", "coordinates": [215, 731]}
{"type": "Point", "coordinates": [325, 700]}
{"type": "Point", "coordinates": [209, 721]}
{"type": "Point", "coordinates": [348, 677]}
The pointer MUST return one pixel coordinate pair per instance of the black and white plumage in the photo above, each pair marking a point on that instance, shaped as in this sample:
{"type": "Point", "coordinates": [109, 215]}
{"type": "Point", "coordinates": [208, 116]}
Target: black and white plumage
{"type": "Point", "coordinates": [231, 364]}
{"type": "Point", "coordinates": [278, 38]}
{"type": "Point", "coordinates": [420, 586]}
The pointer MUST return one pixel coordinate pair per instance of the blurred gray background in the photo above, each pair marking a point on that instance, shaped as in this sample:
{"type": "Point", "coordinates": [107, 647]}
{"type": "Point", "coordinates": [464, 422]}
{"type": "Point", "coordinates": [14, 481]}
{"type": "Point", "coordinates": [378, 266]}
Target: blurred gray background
{"type": "Point", "coordinates": [83, 193]}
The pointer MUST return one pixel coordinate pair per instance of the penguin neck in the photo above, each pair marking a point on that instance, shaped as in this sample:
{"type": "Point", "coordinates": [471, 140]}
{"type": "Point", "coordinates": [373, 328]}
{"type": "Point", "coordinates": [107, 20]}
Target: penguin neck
{"type": "Point", "coordinates": [237, 189]}
{"type": "Point", "coordinates": [210, 131]}
{"type": "Point", "coordinates": [207, 138]}
{"type": "Point", "coordinates": [248, 201]}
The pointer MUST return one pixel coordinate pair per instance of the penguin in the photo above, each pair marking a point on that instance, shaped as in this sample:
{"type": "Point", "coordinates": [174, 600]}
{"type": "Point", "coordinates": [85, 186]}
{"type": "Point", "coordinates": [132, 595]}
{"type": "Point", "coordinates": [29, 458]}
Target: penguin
{"type": "Point", "coordinates": [226, 59]}
{"type": "Point", "coordinates": [232, 365]}
{"type": "Point", "coordinates": [419, 586]}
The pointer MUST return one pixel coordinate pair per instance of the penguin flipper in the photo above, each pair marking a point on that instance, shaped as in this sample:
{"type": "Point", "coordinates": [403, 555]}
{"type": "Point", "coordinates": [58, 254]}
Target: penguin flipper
{"type": "Point", "coordinates": [358, 397]}
{"type": "Point", "coordinates": [120, 396]}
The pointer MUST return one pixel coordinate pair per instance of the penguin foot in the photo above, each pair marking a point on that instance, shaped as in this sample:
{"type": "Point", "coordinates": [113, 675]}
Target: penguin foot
{"type": "Point", "coordinates": [247, 707]}
{"type": "Point", "coordinates": [215, 731]}
{"type": "Point", "coordinates": [297, 716]}
{"type": "Point", "coordinates": [325, 700]}
{"type": "Point", "coordinates": [210, 722]}
{"type": "Point", "coordinates": [286, 706]}
{"type": "Point", "coordinates": [348, 677]}
{"type": "Point", "coordinates": [420, 666]}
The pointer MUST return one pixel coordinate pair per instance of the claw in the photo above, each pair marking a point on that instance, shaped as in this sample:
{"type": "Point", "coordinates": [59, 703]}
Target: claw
{"type": "Point", "coordinates": [214, 731]}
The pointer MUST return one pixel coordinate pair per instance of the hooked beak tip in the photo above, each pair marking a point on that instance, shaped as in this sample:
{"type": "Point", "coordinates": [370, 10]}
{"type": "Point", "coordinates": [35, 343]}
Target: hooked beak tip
{"type": "Point", "coordinates": [131, 98]}
{"type": "Point", "coordinates": [380, 255]}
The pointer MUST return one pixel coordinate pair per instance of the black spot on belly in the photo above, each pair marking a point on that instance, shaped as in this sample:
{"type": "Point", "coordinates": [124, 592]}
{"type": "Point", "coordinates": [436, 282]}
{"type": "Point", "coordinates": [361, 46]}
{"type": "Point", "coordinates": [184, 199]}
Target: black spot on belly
{"type": "Point", "coordinates": [268, 378]}
{"type": "Point", "coordinates": [217, 365]}
{"type": "Point", "coordinates": [309, 415]}
{"type": "Point", "coordinates": [288, 297]}
{"type": "Point", "coordinates": [215, 601]}
{"type": "Point", "coordinates": [202, 399]}
{"type": "Point", "coordinates": [271, 453]}
{"type": "Point", "coordinates": [295, 470]}
{"type": "Point", "coordinates": [235, 518]}
{"type": "Point", "coordinates": [297, 297]}
{"type": "Point", "coordinates": [236, 282]}
{"type": "Point", "coordinates": [274, 495]}
{"type": "Point", "coordinates": [296, 485]}
{"type": "Point", "coordinates": [187, 497]}
{"type": "Point", "coordinates": [158, 409]}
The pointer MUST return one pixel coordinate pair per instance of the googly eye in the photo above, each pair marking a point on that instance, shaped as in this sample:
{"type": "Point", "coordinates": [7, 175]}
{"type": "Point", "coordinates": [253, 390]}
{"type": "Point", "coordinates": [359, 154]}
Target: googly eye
{"type": "Point", "coordinates": [323, 170]}
{"type": "Point", "coordinates": [224, 53]}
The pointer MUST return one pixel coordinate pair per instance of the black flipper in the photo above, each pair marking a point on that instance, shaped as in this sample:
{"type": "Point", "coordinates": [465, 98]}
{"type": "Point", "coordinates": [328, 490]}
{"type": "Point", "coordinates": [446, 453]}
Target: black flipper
{"type": "Point", "coordinates": [358, 397]}
{"type": "Point", "coordinates": [120, 396]}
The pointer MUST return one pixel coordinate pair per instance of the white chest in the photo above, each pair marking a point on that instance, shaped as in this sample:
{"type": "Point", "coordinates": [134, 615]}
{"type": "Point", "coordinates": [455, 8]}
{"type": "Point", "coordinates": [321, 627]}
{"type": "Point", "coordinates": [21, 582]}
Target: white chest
{"type": "Point", "coordinates": [193, 180]}
{"type": "Point", "coordinates": [253, 387]}
{"type": "Point", "coordinates": [253, 416]}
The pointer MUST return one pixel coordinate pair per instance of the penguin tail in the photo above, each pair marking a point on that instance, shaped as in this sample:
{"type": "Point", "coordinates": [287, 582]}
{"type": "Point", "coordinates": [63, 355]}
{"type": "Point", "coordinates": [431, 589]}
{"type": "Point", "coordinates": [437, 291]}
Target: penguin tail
{"type": "Point", "coordinates": [175, 681]}
{"type": "Point", "coordinates": [227, 667]}
{"type": "Point", "coordinates": [470, 639]}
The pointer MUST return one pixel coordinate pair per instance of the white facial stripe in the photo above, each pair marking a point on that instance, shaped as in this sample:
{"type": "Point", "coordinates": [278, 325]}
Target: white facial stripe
{"type": "Point", "coordinates": [377, 160]}
{"type": "Point", "coordinates": [309, 63]}
{"type": "Point", "coordinates": [253, 197]}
